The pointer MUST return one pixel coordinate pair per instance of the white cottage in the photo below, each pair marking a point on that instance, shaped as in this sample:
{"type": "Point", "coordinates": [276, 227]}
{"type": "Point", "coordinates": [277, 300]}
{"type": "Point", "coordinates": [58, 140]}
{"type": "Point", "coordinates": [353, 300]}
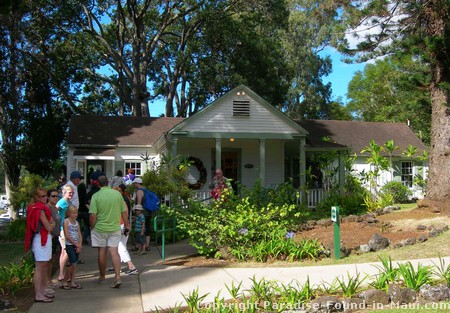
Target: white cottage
{"type": "Point", "coordinates": [239, 132]}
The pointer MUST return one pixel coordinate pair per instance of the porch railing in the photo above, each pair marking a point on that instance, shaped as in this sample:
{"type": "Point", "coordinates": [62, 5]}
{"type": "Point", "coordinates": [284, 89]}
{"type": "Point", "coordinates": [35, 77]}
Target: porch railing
{"type": "Point", "coordinates": [313, 196]}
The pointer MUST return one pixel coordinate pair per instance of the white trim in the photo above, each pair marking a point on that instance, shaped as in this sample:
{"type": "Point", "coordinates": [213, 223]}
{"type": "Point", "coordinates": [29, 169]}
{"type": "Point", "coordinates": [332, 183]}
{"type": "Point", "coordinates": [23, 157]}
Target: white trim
{"type": "Point", "coordinates": [93, 157]}
{"type": "Point", "coordinates": [132, 157]}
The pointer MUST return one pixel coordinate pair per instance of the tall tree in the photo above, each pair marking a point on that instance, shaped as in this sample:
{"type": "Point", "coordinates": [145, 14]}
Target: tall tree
{"type": "Point", "coordinates": [393, 90]}
{"type": "Point", "coordinates": [421, 28]}
{"type": "Point", "coordinates": [310, 25]}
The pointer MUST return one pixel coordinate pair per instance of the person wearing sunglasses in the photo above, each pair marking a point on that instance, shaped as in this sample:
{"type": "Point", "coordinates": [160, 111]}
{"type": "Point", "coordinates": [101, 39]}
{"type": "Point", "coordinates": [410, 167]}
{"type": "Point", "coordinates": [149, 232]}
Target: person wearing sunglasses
{"type": "Point", "coordinates": [53, 197]}
{"type": "Point", "coordinates": [38, 229]}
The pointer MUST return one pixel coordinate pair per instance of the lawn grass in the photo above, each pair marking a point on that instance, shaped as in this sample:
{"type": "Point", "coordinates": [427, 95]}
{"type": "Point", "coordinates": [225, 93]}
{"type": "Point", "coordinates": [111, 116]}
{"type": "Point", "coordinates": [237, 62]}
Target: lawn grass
{"type": "Point", "coordinates": [11, 252]}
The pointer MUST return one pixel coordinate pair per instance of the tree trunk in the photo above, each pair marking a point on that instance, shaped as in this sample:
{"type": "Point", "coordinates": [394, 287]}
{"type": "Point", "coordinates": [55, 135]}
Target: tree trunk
{"type": "Point", "coordinates": [438, 187]}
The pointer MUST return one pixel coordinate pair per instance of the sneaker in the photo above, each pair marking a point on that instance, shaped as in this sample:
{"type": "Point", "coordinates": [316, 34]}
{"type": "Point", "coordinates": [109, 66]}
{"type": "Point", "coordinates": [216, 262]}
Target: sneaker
{"type": "Point", "coordinates": [142, 253]}
{"type": "Point", "coordinates": [132, 272]}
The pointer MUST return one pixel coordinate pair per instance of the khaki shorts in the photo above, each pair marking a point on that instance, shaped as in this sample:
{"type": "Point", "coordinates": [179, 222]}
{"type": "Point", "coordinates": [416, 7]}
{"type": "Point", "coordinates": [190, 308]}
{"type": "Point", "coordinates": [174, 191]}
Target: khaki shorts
{"type": "Point", "coordinates": [102, 240]}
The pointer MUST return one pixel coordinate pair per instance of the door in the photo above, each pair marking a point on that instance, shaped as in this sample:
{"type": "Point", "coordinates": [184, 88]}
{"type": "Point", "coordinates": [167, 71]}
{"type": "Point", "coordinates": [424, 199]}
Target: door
{"type": "Point", "coordinates": [230, 166]}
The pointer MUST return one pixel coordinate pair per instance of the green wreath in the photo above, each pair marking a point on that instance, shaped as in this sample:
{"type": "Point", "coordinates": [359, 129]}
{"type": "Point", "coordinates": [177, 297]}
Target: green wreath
{"type": "Point", "coordinates": [201, 169]}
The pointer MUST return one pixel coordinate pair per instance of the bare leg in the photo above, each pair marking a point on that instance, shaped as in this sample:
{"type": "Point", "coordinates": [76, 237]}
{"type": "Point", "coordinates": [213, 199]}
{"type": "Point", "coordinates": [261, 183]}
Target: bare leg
{"type": "Point", "coordinates": [115, 258]}
{"type": "Point", "coordinates": [102, 253]}
{"type": "Point", "coordinates": [40, 279]}
{"type": "Point", "coordinates": [63, 258]}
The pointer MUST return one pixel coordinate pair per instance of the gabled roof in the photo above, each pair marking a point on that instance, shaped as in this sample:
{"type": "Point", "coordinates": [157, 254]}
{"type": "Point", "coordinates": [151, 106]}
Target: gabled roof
{"type": "Point", "coordinates": [96, 130]}
{"type": "Point", "coordinates": [296, 128]}
{"type": "Point", "coordinates": [357, 135]}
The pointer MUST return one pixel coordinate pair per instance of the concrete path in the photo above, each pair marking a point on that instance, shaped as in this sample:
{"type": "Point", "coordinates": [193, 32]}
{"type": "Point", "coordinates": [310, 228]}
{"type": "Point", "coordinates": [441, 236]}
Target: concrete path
{"type": "Point", "coordinates": [160, 287]}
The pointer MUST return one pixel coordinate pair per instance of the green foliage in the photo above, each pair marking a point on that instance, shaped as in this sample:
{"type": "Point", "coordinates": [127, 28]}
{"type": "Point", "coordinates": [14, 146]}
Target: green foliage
{"type": "Point", "coordinates": [350, 203]}
{"type": "Point", "coordinates": [168, 179]}
{"type": "Point", "coordinates": [413, 278]}
{"type": "Point", "coordinates": [442, 271]}
{"type": "Point", "coordinates": [15, 276]}
{"type": "Point", "coordinates": [351, 285]}
{"type": "Point", "coordinates": [28, 183]}
{"type": "Point", "coordinates": [194, 299]}
{"type": "Point", "coordinates": [15, 230]}
{"type": "Point", "coordinates": [399, 192]}
{"type": "Point", "coordinates": [387, 274]}
{"type": "Point", "coordinates": [243, 229]}
{"type": "Point", "coordinates": [391, 90]}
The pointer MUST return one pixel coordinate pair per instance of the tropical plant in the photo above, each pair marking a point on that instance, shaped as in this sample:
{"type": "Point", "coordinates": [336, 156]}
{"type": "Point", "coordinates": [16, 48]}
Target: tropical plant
{"type": "Point", "coordinates": [412, 278]}
{"type": "Point", "coordinates": [15, 276]}
{"type": "Point", "coordinates": [442, 270]}
{"type": "Point", "coordinates": [399, 192]}
{"type": "Point", "coordinates": [350, 286]}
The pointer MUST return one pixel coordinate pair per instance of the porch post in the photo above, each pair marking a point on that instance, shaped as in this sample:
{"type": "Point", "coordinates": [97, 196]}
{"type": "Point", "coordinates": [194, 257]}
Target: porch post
{"type": "Point", "coordinates": [218, 153]}
{"type": "Point", "coordinates": [262, 161]}
{"type": "Point", "coordinates": [302, 166]}
{"type": "Point", "coordinates": [174, 142]}
{"type": "Point", "coordinates": [341, 171]}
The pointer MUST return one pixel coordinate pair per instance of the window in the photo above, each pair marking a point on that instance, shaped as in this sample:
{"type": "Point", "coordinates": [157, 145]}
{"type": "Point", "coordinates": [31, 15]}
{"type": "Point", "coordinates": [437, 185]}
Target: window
{"type": "Point", "coordinates": [407, 173]}
{"type": "Point", "coordinates": [136, 166]}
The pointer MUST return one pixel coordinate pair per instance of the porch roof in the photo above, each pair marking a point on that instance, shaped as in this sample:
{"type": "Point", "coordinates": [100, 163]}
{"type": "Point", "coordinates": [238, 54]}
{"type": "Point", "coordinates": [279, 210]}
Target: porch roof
{"type": "Point", "coordinates": [357, 135]}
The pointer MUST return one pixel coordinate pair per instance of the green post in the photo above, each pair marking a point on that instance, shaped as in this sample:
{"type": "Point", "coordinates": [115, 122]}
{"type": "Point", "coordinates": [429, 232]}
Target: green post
{"type": "Point", "coordinates": [337, 231]}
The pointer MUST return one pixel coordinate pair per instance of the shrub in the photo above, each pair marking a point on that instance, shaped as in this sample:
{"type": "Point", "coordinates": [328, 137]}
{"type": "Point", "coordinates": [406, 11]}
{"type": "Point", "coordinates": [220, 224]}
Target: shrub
{"type": "Point", "coordinates": [400, 192]}
{"type": "Point", "coordinates": [16, 230]}
{"type": "Point", "coordinates": [349, 203]}
{"type": "Point", "coordinates": [15, 276]}
{"type": "Point", "coordinates": [241, 228]}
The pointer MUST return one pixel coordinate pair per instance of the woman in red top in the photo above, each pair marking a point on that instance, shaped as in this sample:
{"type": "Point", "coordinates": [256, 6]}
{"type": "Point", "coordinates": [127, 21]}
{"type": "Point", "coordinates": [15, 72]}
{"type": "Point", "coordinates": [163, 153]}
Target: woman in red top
{"type": "Point", "coordinates": [38, 232]}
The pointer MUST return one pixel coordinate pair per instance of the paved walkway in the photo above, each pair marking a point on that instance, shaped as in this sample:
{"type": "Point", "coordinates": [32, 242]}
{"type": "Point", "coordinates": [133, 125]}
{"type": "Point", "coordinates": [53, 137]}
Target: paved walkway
{"type": "Point", "coordinates": [160, 287]}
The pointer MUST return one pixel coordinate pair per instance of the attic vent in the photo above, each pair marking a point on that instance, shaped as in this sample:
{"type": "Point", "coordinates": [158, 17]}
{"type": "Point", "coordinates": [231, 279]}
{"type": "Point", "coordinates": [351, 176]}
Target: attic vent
{"type": "Point", "coordinates": [241, 107]}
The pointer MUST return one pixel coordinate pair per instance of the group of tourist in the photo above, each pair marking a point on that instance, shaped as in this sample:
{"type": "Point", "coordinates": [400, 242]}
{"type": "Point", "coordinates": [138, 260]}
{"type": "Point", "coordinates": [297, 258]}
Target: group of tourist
{"type": "Point", "coordinates": [53, 221]}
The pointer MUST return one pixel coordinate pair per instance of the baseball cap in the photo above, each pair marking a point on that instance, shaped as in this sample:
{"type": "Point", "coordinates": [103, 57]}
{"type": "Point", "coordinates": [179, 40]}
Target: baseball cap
{"type": "Point", "coordinates": [76, 174]}
{"type": "Point", "coordinates": [138, 207]}
{"type": "Point", "coordinates": [137, 180]}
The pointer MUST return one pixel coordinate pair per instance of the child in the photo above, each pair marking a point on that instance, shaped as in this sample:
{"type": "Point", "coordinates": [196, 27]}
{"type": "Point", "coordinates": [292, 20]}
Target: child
{"type": "Point", "coordinates": [73, 237]}
{"type": "Point", "coordinates": [139, 228]}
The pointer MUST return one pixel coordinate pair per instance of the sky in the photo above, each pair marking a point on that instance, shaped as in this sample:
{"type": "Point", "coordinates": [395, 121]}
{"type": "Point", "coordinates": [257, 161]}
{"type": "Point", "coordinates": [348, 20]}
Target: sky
{"type": "Point", "coordinates": [340, 77]}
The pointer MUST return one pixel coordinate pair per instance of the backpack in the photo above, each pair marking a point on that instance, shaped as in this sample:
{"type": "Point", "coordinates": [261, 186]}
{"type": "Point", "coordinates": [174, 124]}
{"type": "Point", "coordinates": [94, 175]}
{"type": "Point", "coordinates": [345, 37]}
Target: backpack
{"type": "Point", "coordinates": [150, 201]}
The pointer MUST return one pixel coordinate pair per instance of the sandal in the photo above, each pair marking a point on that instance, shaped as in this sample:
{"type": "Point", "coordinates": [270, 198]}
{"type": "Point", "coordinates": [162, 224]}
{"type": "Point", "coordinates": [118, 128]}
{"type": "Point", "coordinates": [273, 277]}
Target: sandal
{"type": "Point", "coordinates": [76, 286]}
{"type": "Point", "coordinates": [65, 287]}
{"type": "Point", "coordinates": [46, 300]}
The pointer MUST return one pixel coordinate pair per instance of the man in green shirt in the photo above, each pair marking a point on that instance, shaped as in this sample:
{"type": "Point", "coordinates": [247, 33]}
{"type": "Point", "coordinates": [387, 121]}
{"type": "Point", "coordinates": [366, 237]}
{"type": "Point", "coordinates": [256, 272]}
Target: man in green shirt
{"type": "Point", "coordinates": [107, 210]}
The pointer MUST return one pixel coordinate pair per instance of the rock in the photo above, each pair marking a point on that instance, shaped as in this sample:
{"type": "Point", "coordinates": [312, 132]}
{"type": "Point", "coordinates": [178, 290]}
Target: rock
{"type": "Point", "coordinates": [364, 248]}
{"type": "Point", "coordinates": [374, 296]}
{"type": "Point", "coordinates": [422, 238]}
{"type": "Point", "coordinates": [353, 304]}
{"type": "Point", "coordinates": [325, 222]}
{"type": "Point", "coordinates": [344, 250]}
{"type": "Point", "coordinates": [401, 295]}
{"type": "Point", "coordinates": [326, 304]}
{"type": "Point", "coordinates": [435, 293]}
{"type": "Point", "coordinates": [6, 305]}
{"type": "Point", "coordinates": [393, 207]}
{"type": "Point", "coordinates": [371, 220]}
{"type": "Point", "coordinates": [434, 233]}
{"type": "Point", "coordinates": [351, 218]}
{"type": "Point", "coordinates": [408, 242]}
{"type": "Point", "coordinates": [378, 242]}
{"type": "Point", "coordinates": [421, 227]}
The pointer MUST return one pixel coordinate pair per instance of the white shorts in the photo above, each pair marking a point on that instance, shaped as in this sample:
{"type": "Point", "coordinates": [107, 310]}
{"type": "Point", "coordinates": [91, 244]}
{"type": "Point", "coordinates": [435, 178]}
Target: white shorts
{"type": "Point", "coordinates": [42, 253]}
{"type": "Point", "coordinates": [102, 240]}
